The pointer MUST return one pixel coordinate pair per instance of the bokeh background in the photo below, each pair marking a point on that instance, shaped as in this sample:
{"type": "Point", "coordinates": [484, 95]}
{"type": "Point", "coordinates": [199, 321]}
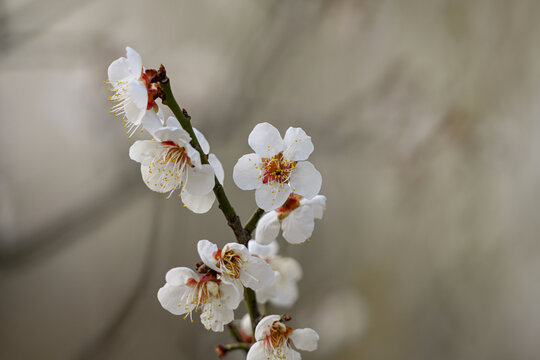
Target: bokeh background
{"type": "Point", "coordinates": [425, 119]}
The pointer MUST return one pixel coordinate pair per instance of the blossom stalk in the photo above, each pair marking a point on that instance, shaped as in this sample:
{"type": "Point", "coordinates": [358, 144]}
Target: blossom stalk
{"type": "Point", "coordinates": [233, 220]}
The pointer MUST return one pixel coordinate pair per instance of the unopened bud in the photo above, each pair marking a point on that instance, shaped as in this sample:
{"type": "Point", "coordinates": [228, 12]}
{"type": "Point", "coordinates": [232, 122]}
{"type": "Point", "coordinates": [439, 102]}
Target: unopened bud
{"type": "Point", "coordinates": [221, 351]}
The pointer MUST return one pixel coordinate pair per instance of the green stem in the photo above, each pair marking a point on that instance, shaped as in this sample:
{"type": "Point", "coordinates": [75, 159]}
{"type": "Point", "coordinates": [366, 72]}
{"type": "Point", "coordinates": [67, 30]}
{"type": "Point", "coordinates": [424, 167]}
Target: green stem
{"type": "Point", "coordinates": [253, 309]}
{"type": "Point", "coordinates": [234, 332]}
{"type": "Point", "coordinates": [224, 204]}
{"type": "Point", "coordinates": [252, 223]}
{"type": "Point", "coordinates": [242, 236]}
{"type": "Point", "coordinates": [264, 309]}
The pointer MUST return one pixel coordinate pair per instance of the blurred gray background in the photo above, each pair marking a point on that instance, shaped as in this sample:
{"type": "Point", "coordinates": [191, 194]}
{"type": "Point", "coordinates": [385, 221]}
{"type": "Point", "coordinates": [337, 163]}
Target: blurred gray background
{"type": "Point", "coordinates": [424, 115]}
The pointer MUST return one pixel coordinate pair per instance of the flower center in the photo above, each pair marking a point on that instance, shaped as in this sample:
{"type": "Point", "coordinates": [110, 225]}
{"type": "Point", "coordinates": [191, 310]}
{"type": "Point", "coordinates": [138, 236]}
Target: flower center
{"type": "Point", "coordinates": [167, 169]}
{"type": "Point", "coordinates": [278, 337]}
{"type": "Point", "coordinates": [175, 154]}
{"type": "Point", "coordinates": [201, 296]}
{"type": "Point", "coordinates": [292, 203]}
{"type": "Point", "coordinates": [206, 288]}
{"type": "Point", "coordinates": [151, 88]}
{"type": "Point", "coordinates": [230, 262]}
{"type": "Point", "coordinates": [277, 169]}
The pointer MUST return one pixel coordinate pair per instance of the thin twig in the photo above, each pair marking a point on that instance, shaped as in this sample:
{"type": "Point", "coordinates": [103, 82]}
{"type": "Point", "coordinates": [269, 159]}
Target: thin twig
{"type": "Point", "coordinates": [252, 223]}
{"type": "Point", "coordinates": [233, 220]}
{"type": "Point", "coordinates": [235, 332]}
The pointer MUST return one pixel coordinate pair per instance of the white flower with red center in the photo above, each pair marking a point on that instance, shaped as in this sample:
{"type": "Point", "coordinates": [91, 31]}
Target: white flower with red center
{"type": "Point", "coordinates": [236, 265]}
{"type": "Point", "coordinates": [273, 340]}
{"type": "Point", "coordinates": [134, 94]}
{"type": "Point", "coordinates": [296, 217]}
{"type": "Point", "coordinates": [287, 272]}
{"type": "Point", "coordinates": [278, 166]}
{"type": "Point", "coordinates": [186, 291]}
{"type": "Point", "coordinates": [169, 162]}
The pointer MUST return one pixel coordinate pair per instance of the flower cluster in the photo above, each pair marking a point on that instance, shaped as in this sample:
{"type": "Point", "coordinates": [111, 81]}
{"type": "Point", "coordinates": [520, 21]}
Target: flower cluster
{"type": "Point", "coordinates": [216, 290]}
{"type": "Point", "coordinates": [177, 157]}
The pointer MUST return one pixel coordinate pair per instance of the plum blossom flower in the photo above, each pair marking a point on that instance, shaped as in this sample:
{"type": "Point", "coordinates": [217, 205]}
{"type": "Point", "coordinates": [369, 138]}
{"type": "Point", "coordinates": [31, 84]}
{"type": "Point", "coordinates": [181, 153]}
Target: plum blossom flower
{"type": "Point", "coordinates": [169, 162]}
{"type": "Point", "coordinates": [296, 217]}
{"type": "Point", "coordinates": [236, 265]}
{"type": "Point", "coordinates": [186, 291]}
{"type": "Point", "coordinates": [273, 340]}
{"type": "Point", "coordinates": [287, 271]}
{"type": "Point", "coordinates": [278, 166]}
{"type": "Point", "coordinates": [134, 94]}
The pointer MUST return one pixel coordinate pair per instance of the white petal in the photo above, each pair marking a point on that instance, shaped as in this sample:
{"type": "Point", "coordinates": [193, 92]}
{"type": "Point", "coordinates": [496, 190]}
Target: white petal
{"type": "Point", "coordinates": [306, 180]}
{"type": "Point", "coordinates": [144, 151]}
{"type": "Point", "coordinates": [218, 168]}
{"type": "Point", "coordinates": [268, 292]}
{"type": "Point", "coordinates": [173, 122]}
{"type": "Point", "coordinates": [180, 275]}
{"type": "Point", "coordinates": [169, 297]}
{"type": "Point", "coordinates": [263, 327]}
{"type": "Point", "coordinates": [138, 93]}
{"type": "Point", "coordinates": [285, 293]}
{"type": "Point", "coordinates": [257, 274]}
{"type": "Point", "coordinates": [245, 325]}
{"type": "Point", "coordinates": [267, 228]}
{"type": "Point", "coordinates": [305, 339]}
{"type": "Point", "coordinates": [193, 155]}
{"type": "Point", "coordinates": [318, 204]}
{"type": "Point", "coordinates": [292, 354]}
{"type": "Point", "coordinates": [199, 181]}
{"type": "Point", "coordinates": [271, 196]}
{"type": "Point", "coordinates": [263, 250]}
{"type": "Point", "coordinates": [215, 315]}
{"type": "Point", "coordinates": [288, 267]}
{"type": "Point", "coordinates": [257, 352]}
{"type": "Point", "coordinates": [299, 225]}
{"type": "Point", "coordinates": [265, 140]}
{"type": "Point", "coordinates": [133, 113]}
{"type": "Point", "coordinates": [155, 182]}
{"type": "Point", "coordinates": [207, 251]}
{"type": "Point", "coordinates": [238, 249]}
{"type": "Point", "coordinates": [247, 173]}
{"type": "Point", "coordinates": [297, 144]}
{"type": "Point", "coordinates": [231, 295]}
{"type": "Point", "coordinates": [159, 113]}
{"type": "Point", "coordinates": [118, 70]}
{"type": "Point", "coordinates": [205, 146]}
{"type": "Point", "coordinates": [134, 61]}
{"type": "Point", "coordinates": [199, 204]}
{"type": "Point", "coordinates": [152, 121]}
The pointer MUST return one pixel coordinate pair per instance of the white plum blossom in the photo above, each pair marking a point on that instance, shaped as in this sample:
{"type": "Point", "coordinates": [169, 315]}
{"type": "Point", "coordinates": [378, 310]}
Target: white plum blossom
{"type": "Point", "coordinates": [169, 162]}
{"type": "Point", "coordinates": [296, 217]}
{"type": "Point", "coordinates": [186, 291]}
{"type": "Point", "coordinates": [134, 94]}
{"type": "Point", "coordinates": [236, 265]}
{"type": "Point", "coordinates": [273, 340]}
{"type": "Point", "coordinates": [277, 167]}
{"type": "Point", "coordinates": [287, 272]}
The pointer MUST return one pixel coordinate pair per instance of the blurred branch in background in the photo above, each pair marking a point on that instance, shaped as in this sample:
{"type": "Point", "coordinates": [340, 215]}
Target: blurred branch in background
{"type": "Point", "coordinates": [108, 336]}
{"type": "Point", "coordinates": [62, 232]}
